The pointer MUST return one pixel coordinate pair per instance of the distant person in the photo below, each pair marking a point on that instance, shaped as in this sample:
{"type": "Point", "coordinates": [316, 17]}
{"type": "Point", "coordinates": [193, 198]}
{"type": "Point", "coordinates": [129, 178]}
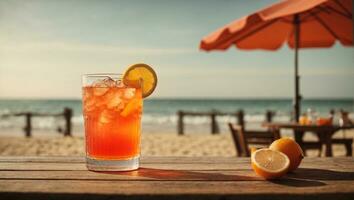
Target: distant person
{"type": "Point", "coordinates": [345, 120]}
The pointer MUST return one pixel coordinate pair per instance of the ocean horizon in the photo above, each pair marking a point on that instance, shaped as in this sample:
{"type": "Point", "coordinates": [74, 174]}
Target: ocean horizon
{"type": "Point", "coordinates": [160, 113]}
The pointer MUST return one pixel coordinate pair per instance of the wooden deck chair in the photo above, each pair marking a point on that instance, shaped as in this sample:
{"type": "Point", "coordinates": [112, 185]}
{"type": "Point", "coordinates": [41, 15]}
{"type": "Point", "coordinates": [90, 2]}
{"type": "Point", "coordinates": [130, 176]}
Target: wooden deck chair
{"type": "Point", "coordinates": [243, 138]}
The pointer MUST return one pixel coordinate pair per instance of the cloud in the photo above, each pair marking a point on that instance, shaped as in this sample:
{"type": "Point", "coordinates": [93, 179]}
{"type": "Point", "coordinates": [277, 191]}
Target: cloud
{"type": "Point", "coordinates": [91, 48]}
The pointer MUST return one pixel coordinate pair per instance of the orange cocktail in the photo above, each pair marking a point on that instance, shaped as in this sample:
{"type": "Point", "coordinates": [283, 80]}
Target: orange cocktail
{"type": "Point", "coordinates": [112, 108]}
{"type": "Point", "coordinates": [112, 115]}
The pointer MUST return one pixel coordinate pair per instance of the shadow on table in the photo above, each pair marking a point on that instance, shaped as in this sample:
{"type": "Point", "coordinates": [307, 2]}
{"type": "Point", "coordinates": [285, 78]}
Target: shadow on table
{"type": "Point", "coordinates": [166, 174]}
{"type": "Point", "coordinates": [294, 182]}
{"type": "Point", "coordinates": [310, 177]}
{"type": "Point", "coordinates": [322, 174]}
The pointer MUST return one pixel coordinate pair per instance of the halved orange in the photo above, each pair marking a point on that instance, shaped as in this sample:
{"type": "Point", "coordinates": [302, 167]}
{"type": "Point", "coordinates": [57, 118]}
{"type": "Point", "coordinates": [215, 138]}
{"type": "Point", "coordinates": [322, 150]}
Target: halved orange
{"type": "Point", "coordinates": [270, 164]}
{"type": "Point", "coordinates": [141, 75]}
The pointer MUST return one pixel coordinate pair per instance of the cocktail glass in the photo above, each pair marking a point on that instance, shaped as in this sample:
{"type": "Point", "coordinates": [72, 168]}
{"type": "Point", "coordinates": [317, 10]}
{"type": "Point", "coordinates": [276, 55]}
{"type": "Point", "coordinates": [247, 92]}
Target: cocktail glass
{"type": "Point", "coordinates": [112, 118]}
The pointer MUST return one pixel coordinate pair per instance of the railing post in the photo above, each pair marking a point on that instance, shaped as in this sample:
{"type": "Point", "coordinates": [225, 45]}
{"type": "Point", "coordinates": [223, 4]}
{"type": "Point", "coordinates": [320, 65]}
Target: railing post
{"type": "Point", "coordinates": [214, 123]}
{"type": "Point", "coordinates": [180, 123]}
{"type": "Point", "coordinates": [240, 118]}
{"type": "Point", "coordinates": [28, 126]}
{"type": "Point", "coordinates": [269, 116]}
{"type": "Point", "coordinates": [68, 113]}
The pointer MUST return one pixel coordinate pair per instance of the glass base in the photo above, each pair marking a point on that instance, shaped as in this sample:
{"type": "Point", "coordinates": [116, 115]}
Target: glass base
{"type": "Point", "coordinates": [112, 165]}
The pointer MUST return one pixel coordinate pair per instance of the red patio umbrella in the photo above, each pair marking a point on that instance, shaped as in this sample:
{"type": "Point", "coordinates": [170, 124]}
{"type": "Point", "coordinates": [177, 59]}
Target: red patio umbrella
{"type": "Point", "coordinates": [300, 23]}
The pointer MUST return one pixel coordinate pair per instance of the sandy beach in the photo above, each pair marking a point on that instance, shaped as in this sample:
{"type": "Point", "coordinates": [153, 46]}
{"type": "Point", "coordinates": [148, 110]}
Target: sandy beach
{"type": "Point", "coordinates": [157, 144]}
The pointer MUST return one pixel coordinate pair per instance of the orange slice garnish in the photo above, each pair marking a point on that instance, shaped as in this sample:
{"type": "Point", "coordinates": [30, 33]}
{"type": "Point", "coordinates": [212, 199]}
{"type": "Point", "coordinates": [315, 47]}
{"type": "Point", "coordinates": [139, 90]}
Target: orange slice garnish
{"type": "Point", "coordinates": [141, 75]}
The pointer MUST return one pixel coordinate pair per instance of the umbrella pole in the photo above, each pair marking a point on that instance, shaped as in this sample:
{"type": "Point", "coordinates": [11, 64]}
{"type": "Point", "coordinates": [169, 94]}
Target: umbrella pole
{"type": "Point", "coordinates": [297, 97]}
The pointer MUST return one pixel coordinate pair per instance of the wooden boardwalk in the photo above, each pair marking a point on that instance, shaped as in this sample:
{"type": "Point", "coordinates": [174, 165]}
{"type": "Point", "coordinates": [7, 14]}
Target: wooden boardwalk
{"type": "Point", "coordinates": [172, 177]}
{"type": "Point", "coordinates": [214, 127]}
{"type": "Point", "coordinates": [67, 114]}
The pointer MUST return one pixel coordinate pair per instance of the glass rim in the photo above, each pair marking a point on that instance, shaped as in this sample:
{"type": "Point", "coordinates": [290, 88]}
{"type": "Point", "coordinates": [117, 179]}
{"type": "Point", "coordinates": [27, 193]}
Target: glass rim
{"type": "Point", "coordinates": [102, 74]}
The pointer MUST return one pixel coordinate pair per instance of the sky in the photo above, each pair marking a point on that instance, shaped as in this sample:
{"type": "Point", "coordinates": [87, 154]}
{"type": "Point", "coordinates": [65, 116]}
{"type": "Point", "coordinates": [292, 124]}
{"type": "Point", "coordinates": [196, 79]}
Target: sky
{"type": "Point", "coordinates": [45, 47]}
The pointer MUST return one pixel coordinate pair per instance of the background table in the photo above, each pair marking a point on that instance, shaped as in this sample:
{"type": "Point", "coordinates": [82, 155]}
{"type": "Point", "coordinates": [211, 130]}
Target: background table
{"type": "Point", "coordinates": [172, 177]}
{"type": "Point", "coordinates": [324, 132]}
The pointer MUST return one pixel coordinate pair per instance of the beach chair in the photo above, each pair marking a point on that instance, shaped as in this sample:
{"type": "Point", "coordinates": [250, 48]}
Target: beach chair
{"type": "Point", "coordinates": [347, 142]}
{"type": "Point", "coordinates": [243, 138]}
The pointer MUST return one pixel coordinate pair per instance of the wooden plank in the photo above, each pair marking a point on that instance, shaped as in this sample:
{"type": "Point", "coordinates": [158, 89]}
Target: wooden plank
{"type": "Point", "coordinates": [141, 174]}
{"type": "Point", "coordinates": [183, 163]}
{"type": "Point", "coordinates": [151, 159]}
{"type": "Point", "coordinates": [285, 186]}
{"type": "Point", "coordinates": [86, 196]}
{"type": "Point", "coordinates": [81, 166]}
{"type": "Point", "coordinates": [177, 166]}
{"type": "Point", "coordinates": [40, 159]}
{"type": "Point", "coordinates": [173, 174]}
{"type": "Point", "coordinates": [342, 161]}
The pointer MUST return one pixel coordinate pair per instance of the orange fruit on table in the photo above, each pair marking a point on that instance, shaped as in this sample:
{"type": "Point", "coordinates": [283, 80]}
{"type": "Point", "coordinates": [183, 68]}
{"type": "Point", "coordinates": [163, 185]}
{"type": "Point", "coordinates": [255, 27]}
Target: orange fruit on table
{"type": "Point", "coordinates": [270, 164]}
{"type": "Point", "coordinates": [324, 121]}
{"type": "Point", "coordinates": [290, 148]}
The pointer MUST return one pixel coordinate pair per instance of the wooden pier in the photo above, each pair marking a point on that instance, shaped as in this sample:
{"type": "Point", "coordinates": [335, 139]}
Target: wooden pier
{"type": "Point", "coordinates": [213, 122]}
{"type": "Point", "coordinates": [66, 114]}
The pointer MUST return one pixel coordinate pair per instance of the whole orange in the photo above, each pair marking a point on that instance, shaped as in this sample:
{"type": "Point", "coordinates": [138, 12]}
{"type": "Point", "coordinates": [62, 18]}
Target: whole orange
{"type": "Point", "coordinates": [290, 148]}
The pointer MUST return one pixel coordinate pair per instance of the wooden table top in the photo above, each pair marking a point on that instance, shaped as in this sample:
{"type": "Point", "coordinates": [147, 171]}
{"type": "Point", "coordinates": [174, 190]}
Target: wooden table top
{"type": "Point", "coordinates": [297, 126]}
{"type": "Point", "coordinates": [172, 177]}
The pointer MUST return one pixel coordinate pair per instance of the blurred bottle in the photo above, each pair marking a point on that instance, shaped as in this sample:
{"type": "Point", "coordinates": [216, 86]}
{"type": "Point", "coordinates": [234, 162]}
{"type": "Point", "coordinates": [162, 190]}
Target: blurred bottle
{"type": "Point", "coordinates": [303, 120]}
{"type": "Point", "coordinates": [312, 116]}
